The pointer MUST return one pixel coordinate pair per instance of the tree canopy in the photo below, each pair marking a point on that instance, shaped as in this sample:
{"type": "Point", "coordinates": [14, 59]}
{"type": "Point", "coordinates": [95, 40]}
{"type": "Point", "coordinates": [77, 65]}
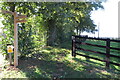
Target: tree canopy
{"type": "Point", "coordinates": [48, 23]}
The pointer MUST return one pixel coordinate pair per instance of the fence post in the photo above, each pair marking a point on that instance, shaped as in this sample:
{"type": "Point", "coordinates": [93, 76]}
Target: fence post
{"type": "Point", "coordinates": [73, 46]}
{"type": "Point", "coordinates": [107, 53]}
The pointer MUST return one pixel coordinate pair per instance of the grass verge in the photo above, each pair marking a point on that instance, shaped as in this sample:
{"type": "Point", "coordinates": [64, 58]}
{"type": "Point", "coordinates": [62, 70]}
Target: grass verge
{"type": "Point", "coordinates": [57, 63]}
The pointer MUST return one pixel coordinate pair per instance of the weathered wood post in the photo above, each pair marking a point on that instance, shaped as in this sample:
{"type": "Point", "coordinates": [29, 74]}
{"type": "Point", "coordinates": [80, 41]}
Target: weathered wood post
{"type": "Point", "coordinates": [73, 46]}
{"type": "Point", "coordinates": [16, 20]}
{"type": "Point", "coordinates": [10, 51]}
{"type": "Point", "coordinates": [15, 40]}
{"type": "Point", "coordinates": [10, 58]}
{"type": "Point", "coordinates": [107, 53]}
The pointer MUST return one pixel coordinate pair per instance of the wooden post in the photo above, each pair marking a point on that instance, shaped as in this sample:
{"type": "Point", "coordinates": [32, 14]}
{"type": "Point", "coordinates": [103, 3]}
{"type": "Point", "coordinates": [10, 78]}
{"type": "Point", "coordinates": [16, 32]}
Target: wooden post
{"type": "Point", "coordinates": [107, 53]}
{"type": "Point", "coordinates": [73, 46]}
{"type": "Point", "coordinates": [16, 20]}
{"type": "Point", "coordinates": [15, 41]}
{"type": "Point", "coordinates": [10, 51]}
{"type": "Point", "coordinates": [10, 58]}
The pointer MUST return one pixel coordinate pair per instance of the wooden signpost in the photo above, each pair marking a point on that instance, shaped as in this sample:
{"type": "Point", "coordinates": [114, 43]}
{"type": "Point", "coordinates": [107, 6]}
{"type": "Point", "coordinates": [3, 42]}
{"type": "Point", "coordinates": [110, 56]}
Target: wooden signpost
{"type": "Point", "coordinates": [17, 19]}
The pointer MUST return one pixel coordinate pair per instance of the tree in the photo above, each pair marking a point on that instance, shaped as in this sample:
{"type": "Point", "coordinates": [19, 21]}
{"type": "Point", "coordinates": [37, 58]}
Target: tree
{"type": "Point", "coordinates": [48, 22]}
{"type": "Point", "coordinates": [64, 18]}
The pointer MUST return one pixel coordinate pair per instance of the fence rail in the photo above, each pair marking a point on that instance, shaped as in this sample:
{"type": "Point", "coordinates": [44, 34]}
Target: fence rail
{"type": "Point", "coordinates": [79, 40]}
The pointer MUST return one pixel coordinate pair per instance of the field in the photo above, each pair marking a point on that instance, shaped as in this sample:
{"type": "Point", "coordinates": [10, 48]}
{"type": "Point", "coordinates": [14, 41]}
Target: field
{"type": "Point", "coordinates": [55, 62]}
{"type": "Point", "coordinates": [100, 49]}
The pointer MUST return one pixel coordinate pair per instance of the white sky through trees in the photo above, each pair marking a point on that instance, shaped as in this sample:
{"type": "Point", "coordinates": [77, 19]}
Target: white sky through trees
{"type": "Point", "coordinates": [106, 19]}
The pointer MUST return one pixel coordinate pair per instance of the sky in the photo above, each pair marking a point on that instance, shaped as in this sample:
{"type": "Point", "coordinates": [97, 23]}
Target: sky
{"type": "Point", "coordinates": [106, 19]}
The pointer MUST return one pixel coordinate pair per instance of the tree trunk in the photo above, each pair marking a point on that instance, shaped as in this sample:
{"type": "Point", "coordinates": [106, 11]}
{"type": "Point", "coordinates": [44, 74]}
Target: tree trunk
{"type": "Point", "coordinates": [51, 33]}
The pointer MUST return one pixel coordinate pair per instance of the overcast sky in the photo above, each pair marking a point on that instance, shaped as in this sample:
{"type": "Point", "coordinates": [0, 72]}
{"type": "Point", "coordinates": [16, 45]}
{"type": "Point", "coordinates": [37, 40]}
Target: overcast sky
{"type": "Point", "coordinates": [107, 19]}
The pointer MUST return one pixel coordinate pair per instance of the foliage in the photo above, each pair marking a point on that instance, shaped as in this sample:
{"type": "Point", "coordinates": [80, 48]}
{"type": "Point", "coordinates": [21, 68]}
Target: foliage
{"type": "Point", "coordinates": [48, 23]}
{"type": "Point", "coordinates": [31, 35]}
{"type": "Point", "coordinates": [64, 18]}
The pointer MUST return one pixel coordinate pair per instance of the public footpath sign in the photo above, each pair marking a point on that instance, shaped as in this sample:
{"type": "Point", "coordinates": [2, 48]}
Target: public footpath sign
{"type": "Point", "coordinates": [10, 49]}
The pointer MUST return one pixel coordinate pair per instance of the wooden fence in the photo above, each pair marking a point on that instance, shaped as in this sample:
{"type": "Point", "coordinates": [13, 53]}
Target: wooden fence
{"type": "Point", "coordinates": [80, 40]}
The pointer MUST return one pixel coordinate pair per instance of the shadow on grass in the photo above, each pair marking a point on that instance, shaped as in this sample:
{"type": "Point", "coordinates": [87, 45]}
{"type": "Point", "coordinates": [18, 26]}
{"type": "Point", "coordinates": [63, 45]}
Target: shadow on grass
{"type": "Point", "coordinates": [50, 69]}
{"type": "Point", "coordinates": [98, 63]}
{"type": "Point", "coordinates": [49, 66]}
{"type": "Point", "coordinates": [88, 61]}
{"type": "Point", "coordinates": [100, 67]}
{"type": "Point", "coordinates": [99, 56]}
{"type": "Point", "coordinates": [45, 69]}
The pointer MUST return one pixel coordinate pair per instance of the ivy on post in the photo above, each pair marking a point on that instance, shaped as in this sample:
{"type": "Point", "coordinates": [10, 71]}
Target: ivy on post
{"type": "Point", "coordinates": [73, 46]}
{"type": "Point", "coordinates": [107, 53]}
